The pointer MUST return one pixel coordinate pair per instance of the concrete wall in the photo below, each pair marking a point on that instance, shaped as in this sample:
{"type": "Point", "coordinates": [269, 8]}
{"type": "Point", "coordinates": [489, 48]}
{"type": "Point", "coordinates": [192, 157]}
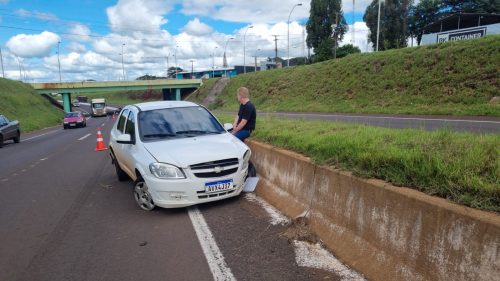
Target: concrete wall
{"type": "Point", "coordinates": [383, 231]}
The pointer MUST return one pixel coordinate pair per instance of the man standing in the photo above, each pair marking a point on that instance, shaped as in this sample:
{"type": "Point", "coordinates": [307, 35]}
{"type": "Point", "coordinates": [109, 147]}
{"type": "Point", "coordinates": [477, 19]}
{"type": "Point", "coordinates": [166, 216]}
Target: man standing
{"type": "Point", "coordinates": [244, 123]}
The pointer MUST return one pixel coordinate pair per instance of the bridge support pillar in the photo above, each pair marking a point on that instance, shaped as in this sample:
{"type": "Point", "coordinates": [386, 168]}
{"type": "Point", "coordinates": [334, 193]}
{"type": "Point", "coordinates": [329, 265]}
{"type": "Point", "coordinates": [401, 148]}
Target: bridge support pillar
{"type": "Point", "coordinates": [177, 94]}
{"type": "Point", "coordinates": [66, 101]}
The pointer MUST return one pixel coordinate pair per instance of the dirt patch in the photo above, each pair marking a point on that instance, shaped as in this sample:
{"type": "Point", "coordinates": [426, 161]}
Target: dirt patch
{"type": "Point", "coordinates": [495, 100]}
{"type": "Point", "coordinates": [299, 230]}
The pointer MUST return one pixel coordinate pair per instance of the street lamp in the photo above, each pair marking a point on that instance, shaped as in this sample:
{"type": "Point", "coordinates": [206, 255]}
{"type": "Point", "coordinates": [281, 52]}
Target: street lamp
{"type": "Point", "coordinates": [58, 61]}
{"type": "Point", "coordinates": [244, 51]}
{"type": "Point", "coordinates": [224, 60]}
{"type": "Point", "coordinates": [123, 67]}
{"type": "Point", "coordinates": [192, 68]}
{"type": "Point", "coordinates": [288, 34]}
{"type": "Point", "coordinates": [213, 62]}
{"type": "Point", "coordinates": [175, 58]}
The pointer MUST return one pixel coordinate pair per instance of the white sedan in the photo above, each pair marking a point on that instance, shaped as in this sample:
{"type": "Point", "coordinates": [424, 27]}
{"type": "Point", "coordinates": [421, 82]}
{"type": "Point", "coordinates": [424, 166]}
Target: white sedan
{"type": "Point", "coordinates": [178, 154]}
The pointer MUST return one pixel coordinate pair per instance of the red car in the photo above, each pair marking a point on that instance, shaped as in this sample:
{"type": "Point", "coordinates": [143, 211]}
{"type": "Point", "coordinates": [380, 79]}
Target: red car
{"type": "Point", "coordinates": [74, 119]}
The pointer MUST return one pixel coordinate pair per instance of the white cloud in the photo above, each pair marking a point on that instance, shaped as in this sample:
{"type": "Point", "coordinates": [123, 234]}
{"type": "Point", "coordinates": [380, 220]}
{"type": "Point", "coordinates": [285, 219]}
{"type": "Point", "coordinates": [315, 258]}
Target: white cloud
{"type": "Point", "coordinates": [360, 31]}
{"type": "Point", "coordinates": [76, 47]}
{"type": "Point", "coordinates": [36, 14]}
{"type": "Point", "coordinates": [37, 45]}
{"type": "Point", "coordinates": [196, 27]}
{"type": "Point", "coordinates": [80, 32]}
{"type": "Point", "coordinates": [359, 6]}
{"type": "Point", "coordinates": [139, 15]}
{"type": "Point", "coordinates": [257, 11]}
{"type": "Point", "coordinates": [4, 1]}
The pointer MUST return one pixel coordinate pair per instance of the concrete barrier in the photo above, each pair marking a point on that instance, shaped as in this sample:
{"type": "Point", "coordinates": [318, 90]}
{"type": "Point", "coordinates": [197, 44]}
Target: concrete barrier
{"type": "Point", "coordinates": [383, 231]}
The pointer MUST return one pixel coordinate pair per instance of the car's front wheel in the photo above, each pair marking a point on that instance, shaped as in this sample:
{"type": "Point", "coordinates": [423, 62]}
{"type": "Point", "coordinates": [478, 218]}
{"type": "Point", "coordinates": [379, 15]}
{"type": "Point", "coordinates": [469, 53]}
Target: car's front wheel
{"type": "Point", "coordinates": [142, 195]}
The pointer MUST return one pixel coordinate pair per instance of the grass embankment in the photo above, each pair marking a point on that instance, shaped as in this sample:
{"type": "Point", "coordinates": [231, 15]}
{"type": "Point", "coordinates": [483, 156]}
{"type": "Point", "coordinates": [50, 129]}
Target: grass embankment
{"type": "Point", "coordinates": [18, 101]}
{"type": "Point", "coordinates": [202, 92]}
{"type": "Point", "coordinates": [455, 78]}
{"type": "Point", "coordinates": [462, 167]}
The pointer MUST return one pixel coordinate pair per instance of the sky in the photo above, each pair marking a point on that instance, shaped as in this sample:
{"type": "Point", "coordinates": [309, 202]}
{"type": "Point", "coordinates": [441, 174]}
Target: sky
{"type": "Point", "coordinates": [92, 37]}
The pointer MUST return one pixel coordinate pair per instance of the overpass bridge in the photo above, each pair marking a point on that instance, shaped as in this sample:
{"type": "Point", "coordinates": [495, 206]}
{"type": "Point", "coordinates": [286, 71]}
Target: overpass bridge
{"type": "Point", "coordinates": [67, 88]}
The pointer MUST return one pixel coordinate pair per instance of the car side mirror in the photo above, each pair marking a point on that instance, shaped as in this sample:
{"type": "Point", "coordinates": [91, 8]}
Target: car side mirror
{"type": "Point", "coordinates": [124, 139]}
{"type": "Point", "coordinates": [228, 127]}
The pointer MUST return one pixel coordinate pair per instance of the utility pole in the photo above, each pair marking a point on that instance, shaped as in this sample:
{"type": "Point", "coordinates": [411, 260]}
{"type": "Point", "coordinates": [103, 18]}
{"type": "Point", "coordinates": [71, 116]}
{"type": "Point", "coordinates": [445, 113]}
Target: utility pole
{"type": "Point", "coordinates": [19, 63]}
{"type": "Point", "coordinates": [58, 61]}
{"type": "Point", "coordinates": [1, 59]}
{"type": "Point", "coordinates": [255, 58]}
{"type": "Point", "coordinates": [334, 28]}
{"type": "Point", "coordinates": [192, 68]}
{"type": "Point", "coordinates": [288, 34]}
{"type": "Point", "coordinates": [275, 50]}
{"type": "Point", "coordinates": [123, 67]}
{"type": "Point", "coordinates": [378, 25]}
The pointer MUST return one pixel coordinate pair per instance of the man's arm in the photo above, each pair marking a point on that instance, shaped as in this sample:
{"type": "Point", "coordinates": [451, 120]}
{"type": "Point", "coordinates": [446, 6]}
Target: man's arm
{"type": "Point", "coordinates": [235, 122]}
{"type": "Point", "coordinates": [240, 126]}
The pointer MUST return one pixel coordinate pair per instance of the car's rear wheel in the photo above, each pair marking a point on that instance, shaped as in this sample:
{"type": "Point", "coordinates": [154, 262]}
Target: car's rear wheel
{"type": "Point", "coordinates": [1, 141]}
{"type": "Point", "coordinates": [17, 138]}
{"type": "Point", "coordinates": [142, 195]}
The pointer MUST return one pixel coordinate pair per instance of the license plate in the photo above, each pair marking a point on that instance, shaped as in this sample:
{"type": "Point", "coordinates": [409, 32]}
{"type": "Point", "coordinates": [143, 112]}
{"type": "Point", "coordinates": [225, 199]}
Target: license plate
{"type": "Point", "coordinates": [218, 186]}
{"type": "Point", "coordinates": [72, 124]}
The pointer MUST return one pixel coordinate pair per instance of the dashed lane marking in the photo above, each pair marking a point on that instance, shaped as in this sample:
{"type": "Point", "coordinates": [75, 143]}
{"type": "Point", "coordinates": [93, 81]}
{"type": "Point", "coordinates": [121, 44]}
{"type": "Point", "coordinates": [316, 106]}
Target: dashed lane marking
{"type": "Point", "coordinates": [215, 259]}
{"type": "Point", "coordinates": [84, 137]}
{"type": "Point", "coordinates": [40, 135]}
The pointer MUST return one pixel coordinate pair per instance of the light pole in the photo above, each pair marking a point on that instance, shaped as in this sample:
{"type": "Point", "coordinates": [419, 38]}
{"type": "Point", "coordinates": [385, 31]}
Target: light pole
{"type": "Point", "coordinates": [378, 25]}
{"type": "Point", "coordinates": [175, 58]}
{"type": "Point", "coordinates": [58, 61]}
{"type": "Point", "coordinates": [213, 62]}
{"type": "Point", "coordinates": [244, 51]}
{"type": "Point", "coordinates": [224, 60]}
{"type": "Point", "coordinates": [1, 59]}
{"type": "Point", "coordinates": [288, 35]}
{"type": "Point", "coordinates": [192, 68]}
{"type": "Point", "coordinates": [123, 67]}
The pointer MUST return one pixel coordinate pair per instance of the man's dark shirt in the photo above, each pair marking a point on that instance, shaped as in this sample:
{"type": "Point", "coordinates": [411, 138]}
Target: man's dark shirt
{"type": "Point", "coordinates": [247, 112]}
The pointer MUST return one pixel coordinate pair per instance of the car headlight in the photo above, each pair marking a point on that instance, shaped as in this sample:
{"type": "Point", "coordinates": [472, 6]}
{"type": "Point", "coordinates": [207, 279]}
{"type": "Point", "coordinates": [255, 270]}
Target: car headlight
{"type": "Point", "coordinates": [246, 159]}
{"type": "Point", "coordinates": [65, 122]}
{"type": "Point", "coordinates": [166, 171]}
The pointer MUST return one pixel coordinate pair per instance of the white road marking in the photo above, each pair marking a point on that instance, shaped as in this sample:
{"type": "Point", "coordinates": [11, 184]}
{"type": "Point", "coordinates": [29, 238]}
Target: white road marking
{"type": "Point", "coordinates": [43, 159]}
{"type": "Point", "coordinates": [313, 255]}
{"type": "Point", "coordinates": [215, 259]}
{"type": "Point", "coordinates": [102, 125]}
{"type": "Point", "coordinates": [40, 135]}
{"type": "Point", "coordinates": [84, 137]}
{"type": "Point", "coordinates": [387, 117]}
{"type": "Point", "coordinates": [276, 216]}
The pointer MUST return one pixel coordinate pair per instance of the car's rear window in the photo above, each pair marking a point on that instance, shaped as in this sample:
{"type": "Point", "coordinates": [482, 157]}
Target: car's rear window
{"type": "Point", "coordinates": [71, 114]}
{"type": "Point", "coordinates": [177, 123]}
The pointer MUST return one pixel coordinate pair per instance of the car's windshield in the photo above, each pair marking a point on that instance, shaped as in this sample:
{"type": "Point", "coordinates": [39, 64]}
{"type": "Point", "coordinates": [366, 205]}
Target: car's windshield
{"type": "Point", "coordinates": [98, 105]}
{"type": "Point", "coordinates": [177, 123]}
{"type": "Point", "coordinates": [71, 114]}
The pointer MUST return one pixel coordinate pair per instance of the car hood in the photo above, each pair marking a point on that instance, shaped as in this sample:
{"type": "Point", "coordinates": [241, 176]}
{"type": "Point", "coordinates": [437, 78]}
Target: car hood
{"type": "Point", "coordinates": [188, 151]}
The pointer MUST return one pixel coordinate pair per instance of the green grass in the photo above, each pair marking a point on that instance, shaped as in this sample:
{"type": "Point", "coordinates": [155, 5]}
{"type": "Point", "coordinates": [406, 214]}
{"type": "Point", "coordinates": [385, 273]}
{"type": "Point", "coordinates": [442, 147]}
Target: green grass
{"type": "Point", "coordinates": [18, 101]}
{"type": "Point", "coordinates": [203, 91]}
{"type": "Point", "coordinates": [455, 78]}
{"type": "Point", "coordinates": [462, 167]}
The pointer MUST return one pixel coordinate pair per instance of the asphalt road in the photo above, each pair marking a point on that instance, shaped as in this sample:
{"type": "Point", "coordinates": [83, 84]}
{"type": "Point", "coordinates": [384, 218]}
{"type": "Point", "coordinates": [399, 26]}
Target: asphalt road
{"type": "Point", "coordinates": [64, 216]}
{"type": "Point", "coordinates": [463, 124]}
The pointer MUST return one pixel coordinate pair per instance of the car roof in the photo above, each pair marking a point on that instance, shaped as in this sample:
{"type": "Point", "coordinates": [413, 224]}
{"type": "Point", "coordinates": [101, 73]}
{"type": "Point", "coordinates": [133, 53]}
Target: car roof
{"type": "Point", "coordinates": [146, 106]}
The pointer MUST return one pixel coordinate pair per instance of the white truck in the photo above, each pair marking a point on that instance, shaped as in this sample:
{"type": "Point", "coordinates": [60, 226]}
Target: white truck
{"type": "Point", "coordinates": [98, 107]}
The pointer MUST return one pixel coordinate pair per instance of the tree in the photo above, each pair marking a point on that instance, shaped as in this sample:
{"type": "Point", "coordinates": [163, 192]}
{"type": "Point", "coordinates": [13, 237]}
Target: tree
{"type": "Point", "coordinates": [347, 50]}
{"type": "Point", "coordinates": [393, 23]}
{"type": "Point", "coordinates": [323, 14]}
{"type": "Point", "coordinates": [172, 71]}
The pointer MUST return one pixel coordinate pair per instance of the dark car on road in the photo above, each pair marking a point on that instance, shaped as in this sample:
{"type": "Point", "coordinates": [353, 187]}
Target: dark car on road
{"type": "Point", "coordinates": [9, 130]}
{"type": "Point", "coordinates": [74, 119]}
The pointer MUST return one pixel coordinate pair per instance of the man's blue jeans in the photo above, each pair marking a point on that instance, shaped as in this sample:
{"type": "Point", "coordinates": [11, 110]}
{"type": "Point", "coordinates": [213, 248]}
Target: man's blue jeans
{"type": "Point", "coordinates": [242, 135]}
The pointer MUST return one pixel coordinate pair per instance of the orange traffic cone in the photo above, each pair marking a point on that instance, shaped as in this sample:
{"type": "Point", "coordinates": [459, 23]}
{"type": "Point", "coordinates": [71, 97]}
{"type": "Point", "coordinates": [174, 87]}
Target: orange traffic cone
{"type": "Point", "coordinates": [100, 141]}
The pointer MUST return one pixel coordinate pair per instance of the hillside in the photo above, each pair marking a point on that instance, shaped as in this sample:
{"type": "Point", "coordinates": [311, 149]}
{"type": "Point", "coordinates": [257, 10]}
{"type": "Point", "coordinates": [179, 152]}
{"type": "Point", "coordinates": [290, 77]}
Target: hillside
{"type": "Point", "coordinates": [456, 78]}
{"type": "Point", "coordinates": [18, 101]}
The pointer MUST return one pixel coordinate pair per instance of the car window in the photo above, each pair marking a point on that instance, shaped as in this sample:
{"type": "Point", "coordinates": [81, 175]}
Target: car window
{"type": "Point", "coordinates": [121, 120]}
{"type": "Point", "coordinates": [72, 114]}
{"type": "Point", "coordinates": [98, 105]}
{"type": "Point", "coordinates": [177, 123]}
{"type": "Point", "coordinates": [130, 126]}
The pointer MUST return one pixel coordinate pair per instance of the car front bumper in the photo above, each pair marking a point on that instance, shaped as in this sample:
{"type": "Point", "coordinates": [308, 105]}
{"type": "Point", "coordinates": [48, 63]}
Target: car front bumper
{"type": "Point", "coordinates": [191, 191]}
